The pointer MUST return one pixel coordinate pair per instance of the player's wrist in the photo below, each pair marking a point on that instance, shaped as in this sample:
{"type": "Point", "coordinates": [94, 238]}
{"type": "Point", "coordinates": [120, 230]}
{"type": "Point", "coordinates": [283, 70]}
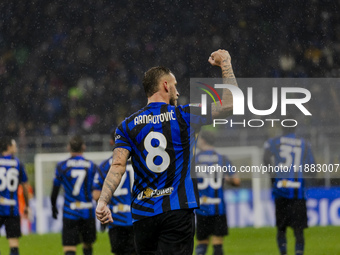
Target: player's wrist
{"type": "Point", "coordinates": [226, 64]}
{"type": "Point", "coordinates": [102, 201]}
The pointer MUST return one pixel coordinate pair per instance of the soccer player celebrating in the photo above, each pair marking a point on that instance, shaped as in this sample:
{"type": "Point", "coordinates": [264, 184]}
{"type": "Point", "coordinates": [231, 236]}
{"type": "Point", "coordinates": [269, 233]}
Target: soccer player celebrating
{"type": "Point", "coordinates": [12, 173]}
{"type": "Point", "coordinates": [289, 151]}
{"type": "Point", "coordinates": [76, 174]}
{"type": "Point", "coordinates": [160, 139]}
{"type": "Point", "coordinates": [121, 230]}
{"type": "Point", "coordinates": [211, 216]}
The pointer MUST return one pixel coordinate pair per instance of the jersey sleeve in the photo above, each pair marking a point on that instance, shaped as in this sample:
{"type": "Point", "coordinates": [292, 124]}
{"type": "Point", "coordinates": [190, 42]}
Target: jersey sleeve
{"type": "Point", "coordinates": [57, 178]}
{"type": "Point", "coordinates": [121, 139]}
{"type": "Point", "coordinates": [23, 175]}
{"type": "Point", "coordinates": [193, 116]}
{"type": "Point", "coordinates": [98, 179]}
{"type": "Point", "coordinates": [95, 170]}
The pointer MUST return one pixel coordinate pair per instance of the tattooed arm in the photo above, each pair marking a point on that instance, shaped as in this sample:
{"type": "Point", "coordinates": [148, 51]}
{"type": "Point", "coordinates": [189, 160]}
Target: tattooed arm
{"type": "Point", "coordinates": [112, 180]}
{"type": "Point", "coordinates": [222, 59]}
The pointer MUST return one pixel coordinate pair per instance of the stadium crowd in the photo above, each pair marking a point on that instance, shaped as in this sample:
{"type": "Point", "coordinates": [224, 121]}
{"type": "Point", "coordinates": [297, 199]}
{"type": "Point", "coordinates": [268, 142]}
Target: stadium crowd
{"type": "Point", "coordinates": [70, 67]}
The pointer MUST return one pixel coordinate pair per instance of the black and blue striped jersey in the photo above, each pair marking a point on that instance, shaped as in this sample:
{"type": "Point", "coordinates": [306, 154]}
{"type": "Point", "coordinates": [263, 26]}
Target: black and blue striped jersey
{"type": "Point", "coordinates": [76, 175]}
{"type": "Point", "coordinates": [210, 183]}
{"type": "Point", "coordinates": [161, 138]}
{"type": "Point", "coordinates": [12, 173]}
{"type": "Point", "coordinates": [120, 204]}
{"type": "Point", "coordinates": [291, 155]}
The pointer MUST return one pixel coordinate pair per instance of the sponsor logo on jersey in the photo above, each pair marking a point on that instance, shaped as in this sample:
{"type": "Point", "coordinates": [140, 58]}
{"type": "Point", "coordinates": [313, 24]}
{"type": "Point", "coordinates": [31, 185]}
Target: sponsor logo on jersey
{"type": "Point", "coordinates": [121, 208]}
{"type": "Point", "coordinates": [204, 200]}
{"type": "Point", "coordinates": [81, 205]}
{"type": "Point", "coordinates": [149, 193]}
{"type": "Point", "coordinates": [6, 201]}
{"type": "Point", "coordinates": [288, 184]}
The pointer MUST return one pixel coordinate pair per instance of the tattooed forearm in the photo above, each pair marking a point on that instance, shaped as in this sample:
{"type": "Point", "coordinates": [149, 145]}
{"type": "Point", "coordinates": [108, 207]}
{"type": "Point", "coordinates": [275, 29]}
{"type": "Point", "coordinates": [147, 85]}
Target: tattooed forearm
{"type": "Point", "coordinates": [227, 70]}
{"type": "Point", "coordinates": [110, 185]}
{"type": "Point", "coordinates": [120, 155]}
{"type": "Point", "coordinates": [115, 174]}
{"type": "Point", "coordinates": [226, 109]}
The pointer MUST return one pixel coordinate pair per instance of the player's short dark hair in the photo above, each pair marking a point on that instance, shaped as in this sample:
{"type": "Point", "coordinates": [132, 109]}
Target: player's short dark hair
{"type": "Point", "coordinates": [76, 143]}
{"type": "Point", "coordinates": [208, 137]}
{"type": "Point", "coordinates": [5, 141]}
{"type": "Point", "coordinates": [151, 79]}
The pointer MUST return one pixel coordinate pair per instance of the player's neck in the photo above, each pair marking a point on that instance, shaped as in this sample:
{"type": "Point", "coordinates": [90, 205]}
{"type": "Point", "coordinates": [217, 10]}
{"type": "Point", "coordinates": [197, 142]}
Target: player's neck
{"type": "Point", "coordinates": [76, 154]}
{"type": "Point", "coordinates": [7, 153]}
{"type": "Point", "coordinates": [158, 98]}
{"type": "Point", "coordinates": [207, 147]}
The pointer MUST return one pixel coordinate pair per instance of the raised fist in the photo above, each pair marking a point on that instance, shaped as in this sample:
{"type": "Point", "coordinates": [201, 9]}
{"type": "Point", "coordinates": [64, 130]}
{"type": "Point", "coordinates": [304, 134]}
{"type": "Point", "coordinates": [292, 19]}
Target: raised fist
{"type": "Point", "coordinates": [217, 58]}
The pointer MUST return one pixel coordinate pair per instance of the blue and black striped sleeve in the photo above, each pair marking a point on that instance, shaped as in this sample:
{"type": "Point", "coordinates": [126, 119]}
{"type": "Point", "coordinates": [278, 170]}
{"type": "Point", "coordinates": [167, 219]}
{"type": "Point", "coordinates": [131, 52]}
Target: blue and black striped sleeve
{"type": "Point", "coordinates": [99, 177]}
{"type": "Point", "coordinates": [193, 115]}
{"type": "Point", "coordinates": [121, 139]}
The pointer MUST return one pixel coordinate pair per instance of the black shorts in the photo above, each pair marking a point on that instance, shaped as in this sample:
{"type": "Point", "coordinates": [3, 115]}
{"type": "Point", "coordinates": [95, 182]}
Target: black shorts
{"type": "Point", "coordinates": [291, 212]}
{"type": "Point", "coordinates": [12, 226]}
{"type": "Point", "coordinates": [122, 240]}
{"type": "Point", "coordinates": [75, 231]}
{"type": "Point", "coordinates": [170, 233]}
{"type": "Point", "coordinates": [211, 225]}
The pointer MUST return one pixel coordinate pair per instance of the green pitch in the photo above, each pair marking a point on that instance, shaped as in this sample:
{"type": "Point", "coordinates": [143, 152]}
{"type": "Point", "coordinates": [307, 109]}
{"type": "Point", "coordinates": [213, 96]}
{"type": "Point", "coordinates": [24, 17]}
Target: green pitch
{"type": "Point", "coordinates": [319, 241]}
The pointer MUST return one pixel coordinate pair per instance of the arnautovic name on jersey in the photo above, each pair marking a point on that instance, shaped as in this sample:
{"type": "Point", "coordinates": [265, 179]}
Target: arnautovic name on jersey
{"type": "Point", "coordinates": [154, 119]}
{"type": "Point", "coordinates": [149, 193]}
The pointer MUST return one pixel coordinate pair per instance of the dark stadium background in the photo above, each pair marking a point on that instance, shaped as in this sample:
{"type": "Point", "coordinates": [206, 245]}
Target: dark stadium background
{"type": "Point", "coordinates": [70, 67]}
{"type": "Point", "coordinates": [63, 62]}
{"type": "Point", "coordinates": [75, 67]}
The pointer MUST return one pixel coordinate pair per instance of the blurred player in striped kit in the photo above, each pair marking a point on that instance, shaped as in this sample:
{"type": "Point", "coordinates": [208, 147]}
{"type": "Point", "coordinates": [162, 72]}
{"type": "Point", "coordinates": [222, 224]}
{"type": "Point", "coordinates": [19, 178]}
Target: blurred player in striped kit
{"type": "Point", "coordinates": [211, 217]}
{"type": "Point", "coordinates": [288, 151]}
{"type": "Point", "coordinates": [12, 173]}
{"type": "Point", "coordinates": [121, 230]}
{"type": "Point", "coordinates": [76, 175]}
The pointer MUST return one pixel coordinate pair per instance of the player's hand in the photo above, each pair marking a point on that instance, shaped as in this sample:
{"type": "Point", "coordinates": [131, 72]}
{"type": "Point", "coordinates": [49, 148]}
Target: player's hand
{"type": "Point", "coordinates": [218, 57]}
{"type": "Point", "coordinates": [54, 212]}
{"type": "Point", "coordinates": [28, 213]}
{"type": "Point", "coordinates": [103, 213]}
